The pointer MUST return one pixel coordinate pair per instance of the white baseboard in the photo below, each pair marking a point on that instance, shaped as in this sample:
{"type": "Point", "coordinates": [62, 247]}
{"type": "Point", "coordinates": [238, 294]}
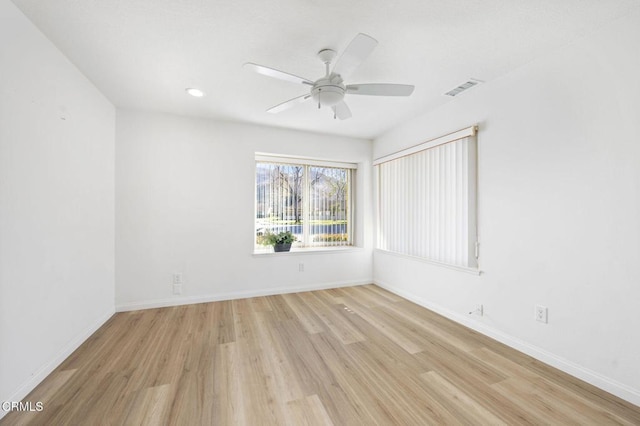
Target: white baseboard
{"type": "Point", "coordinates": [609, 385]}
{"type": "Point", "coordinates": [46, 369]}
{"type": "Point", "coordinates": [190, 300]}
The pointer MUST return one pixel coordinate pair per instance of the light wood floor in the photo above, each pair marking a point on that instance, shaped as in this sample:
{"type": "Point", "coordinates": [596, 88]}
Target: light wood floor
{"type": "Point", "coordinates": [359, 355]}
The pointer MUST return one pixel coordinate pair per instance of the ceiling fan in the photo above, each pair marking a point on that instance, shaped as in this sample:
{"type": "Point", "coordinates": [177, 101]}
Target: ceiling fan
{"type": "Point", "coordinates": [329, 91]}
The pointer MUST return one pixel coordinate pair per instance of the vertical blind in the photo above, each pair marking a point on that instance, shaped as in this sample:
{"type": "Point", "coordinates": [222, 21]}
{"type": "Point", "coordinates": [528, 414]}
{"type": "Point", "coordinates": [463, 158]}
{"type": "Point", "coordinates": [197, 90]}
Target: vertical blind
{"type": "Point", "coordinates": [426, 200]}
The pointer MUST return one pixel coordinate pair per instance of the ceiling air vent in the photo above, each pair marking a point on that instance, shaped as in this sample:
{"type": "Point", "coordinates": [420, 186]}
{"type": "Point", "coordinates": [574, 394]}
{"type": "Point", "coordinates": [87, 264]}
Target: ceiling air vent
{"type": "Point", "coordinates": [464, 86]}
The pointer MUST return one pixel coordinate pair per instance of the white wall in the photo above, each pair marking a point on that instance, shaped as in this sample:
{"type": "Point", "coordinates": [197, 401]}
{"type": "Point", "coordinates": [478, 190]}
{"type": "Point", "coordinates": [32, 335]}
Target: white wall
{"type": "Point", "coordinates": [185, 201]}
{"type": "Point", "coordinates": [559, 209]}
{"type": "Point", "coordinates": [56, 206]}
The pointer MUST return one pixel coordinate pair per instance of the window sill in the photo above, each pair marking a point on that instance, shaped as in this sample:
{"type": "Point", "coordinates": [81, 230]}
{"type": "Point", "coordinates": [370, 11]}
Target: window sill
{"type": "Point", "coordinates": [473, 271]}
{"type": "Point", "coordinates": [309, 250]}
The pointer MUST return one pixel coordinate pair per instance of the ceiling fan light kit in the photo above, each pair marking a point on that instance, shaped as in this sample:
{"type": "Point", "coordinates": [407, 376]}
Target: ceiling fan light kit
{"type": "Point", "coordinates": [329, 91]}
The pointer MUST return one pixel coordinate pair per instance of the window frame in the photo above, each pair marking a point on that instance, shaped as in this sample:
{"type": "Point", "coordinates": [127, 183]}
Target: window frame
{"type": "Point", "coordinates": [306, 162]}
{"type": "Point", "coordinates": [472, 245]}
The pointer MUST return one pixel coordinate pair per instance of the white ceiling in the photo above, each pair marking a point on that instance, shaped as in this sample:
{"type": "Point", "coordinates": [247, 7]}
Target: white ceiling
{"type": "Point", "coordinates": [142, 54]}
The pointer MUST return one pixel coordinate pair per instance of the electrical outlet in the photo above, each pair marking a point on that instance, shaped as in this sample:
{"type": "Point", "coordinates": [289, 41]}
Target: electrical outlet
{"type": "Point", "coordinates": [177, 283]}
{"type": "Point", "coordinates": [541, 313]}
{"type": "Point", "coordinates": [300, 267]}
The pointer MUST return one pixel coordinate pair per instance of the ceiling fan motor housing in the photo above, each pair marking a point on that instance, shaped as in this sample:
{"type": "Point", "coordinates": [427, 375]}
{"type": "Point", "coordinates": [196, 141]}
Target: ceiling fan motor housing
{"type": "Point", "coordinates": [328, 91]}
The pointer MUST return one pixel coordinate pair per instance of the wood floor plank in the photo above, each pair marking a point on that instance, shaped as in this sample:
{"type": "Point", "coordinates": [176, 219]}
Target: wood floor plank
{"type": "Point", "coordinates": [280, 309]}
{"type": "Point", "coordinates": [308, 411]}
{"type": "Point", "coordinates": [388, 352]}
{"type": "Point", "coordinates": [428, 328]}
{"type": "Point", "coordinates": [364, 297]}
{"type": "Point", "coordinates": [346, 356]}
{"type": "Point", "coordinates": [242, 319]}
{"type": "Point", "coordinates": [543, 407]}
{"type": "Point", "coordinates": [304, 314]}
{"type": "Point", "coordinates": [404, 395]}
{"type": "Point", "coordinates": [466, 408]}
{"type": "Point", "coordinates": [329, 314]}
{"type": "Point", "coordinates": [219, 322]}
{"type": "Point", "coordinates": [150, 406]}
{"type": "Point", "coordinates": [315, 373]}
{"type": "Point", "coordinates": [260, 403]}
{"type": "Point", "coordinates": [390, 297]}
{"type": "Point", "coordinates": [286, 385]}
{"type": "Point", "coordinates": [228, 397]}
{"type": "Point", "coordinates": [394, 333]}
{"type": "Point", "coordinates": [358, 393]}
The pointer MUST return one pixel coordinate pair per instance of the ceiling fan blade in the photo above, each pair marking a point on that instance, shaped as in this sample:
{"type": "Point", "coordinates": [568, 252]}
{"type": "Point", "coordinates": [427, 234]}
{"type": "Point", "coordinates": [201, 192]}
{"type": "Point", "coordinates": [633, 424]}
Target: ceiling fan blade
{"type": "Point", "coordinates": [380, 89]}
{"type": "Point", "coordinates": [359, 48]}
{"type": "Point", "coordinates": [288, 104]}
{"type": "Point", "coordinates": [341, 110]}
{"type": "Point", "coordinates": [281, 75]}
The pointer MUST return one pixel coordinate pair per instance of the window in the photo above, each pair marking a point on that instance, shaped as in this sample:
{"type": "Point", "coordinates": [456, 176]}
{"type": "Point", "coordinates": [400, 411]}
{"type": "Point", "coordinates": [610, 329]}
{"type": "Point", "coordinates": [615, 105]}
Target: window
{"type": "Point", "coordinates": [310, 198]}
{"type": "Point", "coordinates": [426, 200]}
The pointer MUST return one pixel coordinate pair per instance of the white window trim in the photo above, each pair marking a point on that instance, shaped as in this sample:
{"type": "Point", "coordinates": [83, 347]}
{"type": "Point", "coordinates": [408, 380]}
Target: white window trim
{"type": "Point", "coordinates": [272, 158]}
{"type": "Point", "coordinates": [472, 271]}
{"type": "Point", "coordinates": [262, 157]}
{"type": "Point", "coordinates": [312, 251]}
{"type": "Point", "coordinates": [460, 134]}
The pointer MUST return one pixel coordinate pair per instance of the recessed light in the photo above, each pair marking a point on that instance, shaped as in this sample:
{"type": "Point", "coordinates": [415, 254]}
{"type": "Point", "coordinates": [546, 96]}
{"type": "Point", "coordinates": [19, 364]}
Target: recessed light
{"type": "Point", "coordinates": [194, 92]}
